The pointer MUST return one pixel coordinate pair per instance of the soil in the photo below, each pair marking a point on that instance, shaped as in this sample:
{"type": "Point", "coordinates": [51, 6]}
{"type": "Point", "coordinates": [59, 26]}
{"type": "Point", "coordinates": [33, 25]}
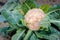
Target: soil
{"type": "Point", "coordinates": [3, 38]}
{"type": "Point", "coordinates": [50, 2]}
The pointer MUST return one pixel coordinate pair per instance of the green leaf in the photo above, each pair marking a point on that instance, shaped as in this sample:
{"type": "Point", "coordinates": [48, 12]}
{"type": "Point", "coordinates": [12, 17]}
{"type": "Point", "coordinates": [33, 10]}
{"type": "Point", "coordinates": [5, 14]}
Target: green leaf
{"type": "Point", "coordinates": [13, 17]}
{"type": "Point", "coordinates": [54, 37]}
{"type": "Point", "coordinates": [53, 30]}
{"type": "Point", "coordinates": [18, 7]}
{"type": "Point", "coordinates": [55, 14]}
{"type": "Point", "coordinates": [42, 34]}
{"type": "Point", "coordinates": [54, 7]}
{"type": "Point", "coordinates": [45, 7]}
{"type": "Point", "coordinates": [56, 22]}
{"type": "Point", "coordinates": [45, 24]}
{"type": "Point", "coordinates": [28, 35]}
{"type": "Point", "coordinates": [2, 19]}
{"type": "Point", "coordinates": [47, 34]}
{"type": "Point", "coordinates": [4, 31]}
{"type": "Point", "coordinates": [9, 5]}
{"type": "Point", "coordinates": [28, 4]}
{"type": "Point", "coordinates": [23, 22]}
{"type": "Point", "coordinates": [55, 34]}
{"type": "Point", "coordinates": [33, 37]}
{"type": "Point", "coordinates": [18, 35]}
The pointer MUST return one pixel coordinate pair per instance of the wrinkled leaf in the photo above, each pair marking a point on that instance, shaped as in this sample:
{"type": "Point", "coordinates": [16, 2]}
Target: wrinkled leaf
{"type": "Point", "coordinates": [28, 35]}
{"type": "Point", "coordinates": [55, 15]}
{"type": "Point", "coordinates": [54, 37]}
{"type": "Point", "coordinates": [33, 37]}
{"type": "Point", "coordinates": [13, 17]}
{"type": "Point", "coordinates": [18, 35]}
{"type": "Point", "coordinates": [23, 22]}
{"type": "Point", "coordinates": [53, 30]}
{"type": "Point", "coordinates": [4, 31]}
{"type": "Point", "coordinates": [45, 7]}
{"type": "Point", "coordinates": [2, 19]}
{"type": "Point", "coordinates": [9, 6]}
{"type": "Point", "coordinates": [45, 24]}
{"type": "Point", "coordinates": [54, 7]}
{"type": "Point", "coordinates": [47, 34]}
{"type": "Point", "coordinates": [42, 34]}
{"type": "Point", "coordinates": [28, 4]}
{"type": "Point", "coordinates": [55, 34]}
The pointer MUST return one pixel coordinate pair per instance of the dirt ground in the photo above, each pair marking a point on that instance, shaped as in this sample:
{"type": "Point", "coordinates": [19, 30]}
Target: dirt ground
{"type": "Point", "coordinates": [3, 38]}
{"type": "Point", "coordinates": [50, 2]}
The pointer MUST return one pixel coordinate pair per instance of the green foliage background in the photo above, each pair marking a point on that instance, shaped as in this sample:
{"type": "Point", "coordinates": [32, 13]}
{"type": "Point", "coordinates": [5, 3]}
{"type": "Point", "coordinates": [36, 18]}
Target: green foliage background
{"type": "Point", "coordinates": [12, 13]}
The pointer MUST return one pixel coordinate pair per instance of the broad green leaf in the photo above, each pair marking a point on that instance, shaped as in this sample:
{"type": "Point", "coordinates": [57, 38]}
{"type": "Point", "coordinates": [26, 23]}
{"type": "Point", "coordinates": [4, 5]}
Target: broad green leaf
{"type": "Point", "coordinates": [47, 34]}
{"type": "Point", "coordinates": [56, 22]}
{"type": "Point", "coordinates": [18, 8]}
{"type": "Point", "coordinates": [55, 34]}
{"type": "Point", "coordinates": [53, 30]}
{"type": "Point", "coordinates": [55, 14]}
{"type": "Point", "coordinates": [45, 7]}
{"type": "Point", "coordinates": [31, 3]}
{"type": "Point", "coordinates": [28, 35]}
{"type": "Point", "coordinates": [54, 37]}
{"type": "Point", "coordinates": [13, 17]}
{"type": "Point", "coordinates": [9, 6]}
{"type": "Point", "coordinates": [23, 22]}
{"type": "Point", "coordinates": [45, 24]}
{"type": "Point", "coordinates": [4, 31]}
{"type": "Point", "coordinates": [54, 7]}
{"type": "Point", "coordinates": [33, 37]}
{"type": "Point", "coordinates": [28, 4]}
{"type": "Point", "coordinates": [42, 34]}
{"type": "Point", "coordinates": [18, 35]}
{"type": "Point", "coordinates": [2, 19]}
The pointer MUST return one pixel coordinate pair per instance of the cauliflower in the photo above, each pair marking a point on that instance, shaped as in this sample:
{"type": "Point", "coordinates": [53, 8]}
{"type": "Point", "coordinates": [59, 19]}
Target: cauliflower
{"type": "Point", "coordinates": [33, 17]}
